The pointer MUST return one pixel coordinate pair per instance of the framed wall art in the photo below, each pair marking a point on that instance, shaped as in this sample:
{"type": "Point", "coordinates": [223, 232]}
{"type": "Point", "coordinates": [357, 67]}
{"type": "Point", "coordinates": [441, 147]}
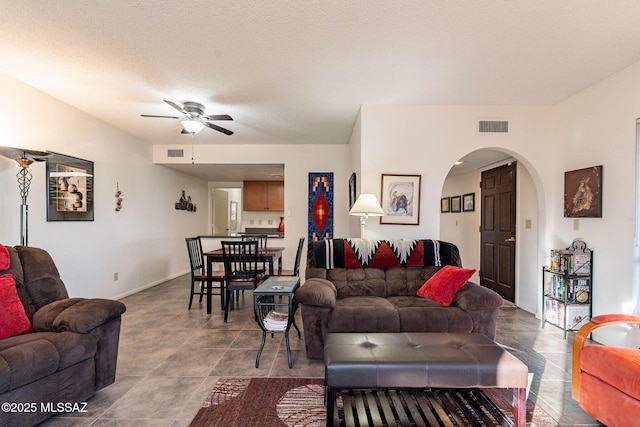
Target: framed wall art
{"type": "Point", "coordinates": [469, 202]}
{"type": "Point", "coordinates": [583, 193]}
{"type": "Point", "coordinates": [444, 204]}
{"type": "Point", "coordinates": [69, 188]}
{"type": "Point", "coordinates": [456, 204]}
{"type": "Point", "coordinates": [400, 199]}
{"type": "Point", "coordinates": [352, 190]}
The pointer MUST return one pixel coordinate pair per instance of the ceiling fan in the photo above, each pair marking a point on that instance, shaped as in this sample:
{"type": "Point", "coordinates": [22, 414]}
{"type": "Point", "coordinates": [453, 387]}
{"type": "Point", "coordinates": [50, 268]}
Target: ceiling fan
{"type": "Point", "coordinates": [193, 120]}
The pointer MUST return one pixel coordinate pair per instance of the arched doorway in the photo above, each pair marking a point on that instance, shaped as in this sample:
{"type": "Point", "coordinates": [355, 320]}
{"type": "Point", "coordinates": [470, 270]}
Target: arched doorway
{"type": "Point", "coordinates": [463, 227]}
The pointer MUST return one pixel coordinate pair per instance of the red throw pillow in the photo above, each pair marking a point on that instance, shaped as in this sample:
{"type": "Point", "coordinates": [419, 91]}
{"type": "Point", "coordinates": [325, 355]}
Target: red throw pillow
{"type": "Point", "coordinates": [13, 319]}
{"type": "Point", "coordinates": [4, 258]}
{"type": "Point", "coordinates": [444, 285]}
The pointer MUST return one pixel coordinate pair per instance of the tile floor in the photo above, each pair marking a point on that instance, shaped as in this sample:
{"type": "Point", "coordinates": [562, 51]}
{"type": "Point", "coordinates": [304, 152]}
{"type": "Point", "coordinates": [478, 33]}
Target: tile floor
{"type": "Point", "coordinates": [171, 357]}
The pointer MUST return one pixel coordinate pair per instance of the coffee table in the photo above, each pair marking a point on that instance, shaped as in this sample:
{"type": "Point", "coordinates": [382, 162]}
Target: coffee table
{"type": "Point", "coordinates": [421, 360]}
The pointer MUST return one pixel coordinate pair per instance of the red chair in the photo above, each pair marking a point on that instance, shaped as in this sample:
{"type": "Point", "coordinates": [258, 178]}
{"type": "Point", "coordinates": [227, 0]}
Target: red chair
{"type": "Point", "coordinates": [606, 380]}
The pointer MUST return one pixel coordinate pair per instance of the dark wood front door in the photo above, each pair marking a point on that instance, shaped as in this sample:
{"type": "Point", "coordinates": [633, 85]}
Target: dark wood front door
{"type": "Point", "coordinates": [498, 231]}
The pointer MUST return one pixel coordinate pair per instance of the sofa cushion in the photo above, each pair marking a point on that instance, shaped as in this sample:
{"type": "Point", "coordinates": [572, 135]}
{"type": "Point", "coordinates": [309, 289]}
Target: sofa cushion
{"type": "Point", "coordinates": [13, 319]}
{"type": "Point", "coordinates": [352, 282]}
{"type": "Point", "coordinates": [27, 358]}
{"type": "Point", "coordinates": [364, 314]}
{"type": "Point", "coordinates": [41, 276]}
{"type": "Point", "coordinates": [445, 283]}
{"type": "Point", "coordinates": [419, 314]}
{"type": "Point", "coordinates": [407, 281]}
{"type": "Point", "coordinates": [612, 365]}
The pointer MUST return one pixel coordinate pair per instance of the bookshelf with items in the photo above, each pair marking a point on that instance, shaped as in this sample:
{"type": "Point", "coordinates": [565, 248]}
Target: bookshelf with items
{"type": "Point", "coordinates": [567, 287]}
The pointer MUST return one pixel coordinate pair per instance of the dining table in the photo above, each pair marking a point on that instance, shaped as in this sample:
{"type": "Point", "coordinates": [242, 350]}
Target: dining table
{"type": "Point", "coordinates": [267, 255]}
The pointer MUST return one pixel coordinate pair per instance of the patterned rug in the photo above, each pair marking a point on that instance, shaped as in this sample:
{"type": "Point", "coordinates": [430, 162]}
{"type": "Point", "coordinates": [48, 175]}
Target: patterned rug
{"type": "Point", "coordinates": [297, 402]}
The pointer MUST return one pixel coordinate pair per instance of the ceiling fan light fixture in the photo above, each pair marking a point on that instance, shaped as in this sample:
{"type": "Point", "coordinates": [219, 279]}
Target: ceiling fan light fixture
{"type": "Point", "coordinates": [192, 126]}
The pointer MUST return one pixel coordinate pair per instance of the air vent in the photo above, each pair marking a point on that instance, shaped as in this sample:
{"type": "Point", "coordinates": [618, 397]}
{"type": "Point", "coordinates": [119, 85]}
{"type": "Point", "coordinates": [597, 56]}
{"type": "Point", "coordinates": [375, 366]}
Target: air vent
{"type": "Point", "coordinates": [175, 153]}
{"type": "Point", "coordinates": [493, 126]}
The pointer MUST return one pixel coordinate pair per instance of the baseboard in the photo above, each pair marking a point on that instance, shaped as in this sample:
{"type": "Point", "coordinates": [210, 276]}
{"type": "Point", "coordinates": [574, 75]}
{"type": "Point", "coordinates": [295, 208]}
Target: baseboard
{"type": "Point", "coordinates": [149, 285]}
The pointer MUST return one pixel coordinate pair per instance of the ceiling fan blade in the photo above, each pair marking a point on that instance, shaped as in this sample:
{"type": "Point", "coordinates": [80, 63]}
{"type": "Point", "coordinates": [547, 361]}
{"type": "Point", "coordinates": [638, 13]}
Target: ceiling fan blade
{"type": "Point", "coordinates": [162, 117]}
{"type": "Point", "coordinates": [218, 128]}
{"type": "Point", "coordinates": [184, 131]}
{"type": "Point", "coordinates": [218, 117]}
{"type": "Point", "coordinates": [176, 106]}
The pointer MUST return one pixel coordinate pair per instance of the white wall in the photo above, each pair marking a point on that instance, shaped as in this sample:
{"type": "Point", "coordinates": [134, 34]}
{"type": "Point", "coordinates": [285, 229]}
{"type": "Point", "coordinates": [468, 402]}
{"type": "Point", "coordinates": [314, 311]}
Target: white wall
{"type": "Point", "coordinates": [597, 127]}
{"type": "Point", "coordinates": [143, 243]}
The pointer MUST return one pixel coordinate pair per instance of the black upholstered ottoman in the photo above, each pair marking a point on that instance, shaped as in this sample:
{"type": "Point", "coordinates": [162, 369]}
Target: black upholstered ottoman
{"type": "Point", "coordinates": [421, 360]}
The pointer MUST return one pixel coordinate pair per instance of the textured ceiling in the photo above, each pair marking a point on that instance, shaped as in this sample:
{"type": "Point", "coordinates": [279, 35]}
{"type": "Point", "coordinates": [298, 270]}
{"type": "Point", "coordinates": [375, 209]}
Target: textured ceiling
{"type": "Point", "coordinates": [298, 71]}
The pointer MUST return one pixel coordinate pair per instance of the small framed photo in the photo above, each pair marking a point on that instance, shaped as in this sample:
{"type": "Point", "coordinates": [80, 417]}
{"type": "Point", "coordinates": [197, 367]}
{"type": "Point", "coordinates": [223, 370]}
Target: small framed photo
{"type": "Point", "coordinates": [456, 202]}
{"type": "Point", "coordinates": [69, 188]}
{"type": "Point", "coordinates": [400, 199]}
{"type": "Point", "coordinates": [444, 204]}
{"type": "Point", "coordinates": [469, 202]}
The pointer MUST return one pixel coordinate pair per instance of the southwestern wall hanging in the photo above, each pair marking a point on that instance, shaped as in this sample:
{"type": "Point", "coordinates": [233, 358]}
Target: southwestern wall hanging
{"type": "Point", "coordinates": [69, 188]}
{"type": "Point", "coordinates": [320, 206]}
{"type": "Point", "coordinates": [583, 193]}
{"type": "Point", "coordinates": [401, 199]}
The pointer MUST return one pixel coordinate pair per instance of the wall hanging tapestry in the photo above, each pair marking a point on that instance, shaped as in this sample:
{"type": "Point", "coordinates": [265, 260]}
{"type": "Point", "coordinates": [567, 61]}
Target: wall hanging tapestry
{"type": "Point", "coordinates": [320, 206]}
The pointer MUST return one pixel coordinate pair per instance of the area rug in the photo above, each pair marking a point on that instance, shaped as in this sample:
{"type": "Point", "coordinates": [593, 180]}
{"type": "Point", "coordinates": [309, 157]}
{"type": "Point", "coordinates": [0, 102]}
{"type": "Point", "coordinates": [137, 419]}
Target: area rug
{"type": "Point", "coordinates": [297, 402]}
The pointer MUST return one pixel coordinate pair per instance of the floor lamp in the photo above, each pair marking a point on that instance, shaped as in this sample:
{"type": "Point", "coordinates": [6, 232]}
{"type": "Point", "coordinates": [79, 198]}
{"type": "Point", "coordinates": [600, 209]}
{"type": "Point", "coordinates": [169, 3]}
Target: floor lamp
{"type": "Point", "coordinates": [367, 205]}
{"type": "Point", "coordinates": [24, 159]}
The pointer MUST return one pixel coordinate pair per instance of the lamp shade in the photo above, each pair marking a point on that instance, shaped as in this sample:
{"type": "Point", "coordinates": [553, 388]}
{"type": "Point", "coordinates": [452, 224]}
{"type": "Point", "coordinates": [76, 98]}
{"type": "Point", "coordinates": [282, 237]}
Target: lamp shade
{"type": "Point", "coordinates": [192, 126]}
{"type": "Point", "coordinates": [366, 205]}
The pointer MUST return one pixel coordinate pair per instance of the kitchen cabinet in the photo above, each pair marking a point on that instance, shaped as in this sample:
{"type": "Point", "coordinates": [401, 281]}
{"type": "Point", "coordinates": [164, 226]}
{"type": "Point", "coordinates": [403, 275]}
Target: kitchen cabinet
{"type": "Point", "coordinates": [263, 196]}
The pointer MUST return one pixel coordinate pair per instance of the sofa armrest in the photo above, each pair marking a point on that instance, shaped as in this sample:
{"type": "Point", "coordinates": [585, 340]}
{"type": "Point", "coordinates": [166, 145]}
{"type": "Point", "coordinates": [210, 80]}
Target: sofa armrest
{"type": "Point", "coordinates": [318, 292]}
{"type": "Point", "coordinates": [475, 297]}
{"type": "Point", "coordinates": [79, 315]}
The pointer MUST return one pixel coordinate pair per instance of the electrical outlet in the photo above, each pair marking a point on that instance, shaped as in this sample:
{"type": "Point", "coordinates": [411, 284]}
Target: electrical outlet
{"type": "Point", "coordinates": [259, 222]}
{"type": "Point", "coordinates": [576, 224]}
{"type": "Point", "coordinates": [270, 222]}
{"type": "Point", "coordinates": [251, 222]}
{"type": "Point", "coordinates": [527, 223]}
{"type": "Point", "coordinates": [115, 277]}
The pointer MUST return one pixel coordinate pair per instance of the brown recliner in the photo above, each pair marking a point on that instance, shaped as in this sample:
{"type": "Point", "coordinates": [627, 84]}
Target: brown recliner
{"type": "Point", "coordinates": [72, 351]}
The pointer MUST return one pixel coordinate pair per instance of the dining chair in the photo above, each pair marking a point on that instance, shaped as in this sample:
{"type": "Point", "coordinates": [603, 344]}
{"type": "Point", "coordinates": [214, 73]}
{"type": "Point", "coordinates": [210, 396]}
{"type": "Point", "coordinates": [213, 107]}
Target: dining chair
{"type": "Point", "coordinates": [296, 264]}
{"type": "Point", "coordinates": [199, 274]}
{"type": "Point", "coordinates": [241, 270]}
{"type": "Point", "coordinates": [262, 245]}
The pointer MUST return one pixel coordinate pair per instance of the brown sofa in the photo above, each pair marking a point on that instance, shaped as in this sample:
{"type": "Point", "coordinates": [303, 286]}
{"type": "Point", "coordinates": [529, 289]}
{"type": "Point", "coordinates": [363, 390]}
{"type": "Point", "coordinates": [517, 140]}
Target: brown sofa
{"type": "Point", "coordinates": [360, 285]}
{"type": "Point", "coordinates": [71, 353]}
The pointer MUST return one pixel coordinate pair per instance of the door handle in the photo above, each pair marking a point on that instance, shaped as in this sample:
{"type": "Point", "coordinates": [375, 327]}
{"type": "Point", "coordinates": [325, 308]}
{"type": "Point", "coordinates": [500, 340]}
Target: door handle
{"type": "Point", "coordinates": [510, 239]}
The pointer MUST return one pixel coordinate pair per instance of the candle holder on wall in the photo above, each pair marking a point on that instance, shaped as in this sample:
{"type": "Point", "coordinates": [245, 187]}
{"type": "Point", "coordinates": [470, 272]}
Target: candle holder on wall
{"type": "Point", "coordinates": [118, 198]}
{"type": "Point", "coordinates": [185, 204]}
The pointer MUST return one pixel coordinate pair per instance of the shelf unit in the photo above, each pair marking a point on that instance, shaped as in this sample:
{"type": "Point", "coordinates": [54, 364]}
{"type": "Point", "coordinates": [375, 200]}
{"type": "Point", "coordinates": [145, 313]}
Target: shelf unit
{"type": "Point", "coordinates": [567, 285]}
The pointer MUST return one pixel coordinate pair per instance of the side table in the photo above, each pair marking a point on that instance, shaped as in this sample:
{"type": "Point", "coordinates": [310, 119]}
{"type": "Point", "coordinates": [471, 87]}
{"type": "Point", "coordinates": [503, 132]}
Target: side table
{"type": "Point", "coordinates": [275, 308]}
